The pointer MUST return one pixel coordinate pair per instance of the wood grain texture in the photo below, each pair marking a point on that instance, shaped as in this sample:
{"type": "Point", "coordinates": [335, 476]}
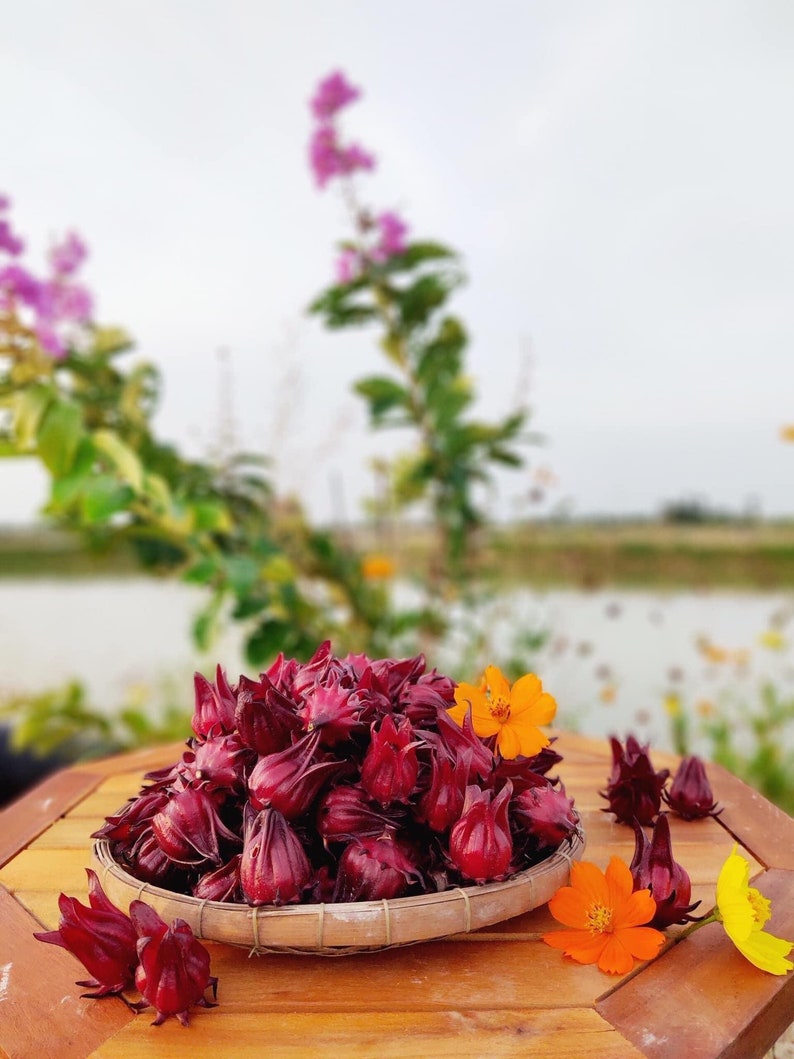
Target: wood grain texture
{"type": "Point", "coordinates": [30, 815]}
{"type": "Point", "coordinates": [457, 1033]}
{"type": "Point", "coordinates": [41, 1013]}
{"type": "Point", "coordinates": [758, 825]}
{"type": "Point", "coordinates": [702, 999]}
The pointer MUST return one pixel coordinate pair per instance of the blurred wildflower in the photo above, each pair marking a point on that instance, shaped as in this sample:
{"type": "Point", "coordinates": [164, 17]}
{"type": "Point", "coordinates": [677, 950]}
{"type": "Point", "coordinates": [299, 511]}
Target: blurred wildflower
{"type": "Point", "coordinates": [772, 639]}
{"type": "Point", "coordinates": [787, 432]}
{"type": "Point", "coordinates": [672, 705]}
{"type": "Point", "coordinates": [606, 917]}
{"type": "Point", "coordinates": [376, 567]}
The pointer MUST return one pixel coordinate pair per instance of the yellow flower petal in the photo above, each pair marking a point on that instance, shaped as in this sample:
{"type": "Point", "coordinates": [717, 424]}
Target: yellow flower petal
{"type": "Point", "coordinates": [766, 952]}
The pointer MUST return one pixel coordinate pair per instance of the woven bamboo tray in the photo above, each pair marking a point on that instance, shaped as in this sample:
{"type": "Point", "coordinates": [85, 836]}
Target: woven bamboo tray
{"type": "Point", "coordinates": [343, 929]}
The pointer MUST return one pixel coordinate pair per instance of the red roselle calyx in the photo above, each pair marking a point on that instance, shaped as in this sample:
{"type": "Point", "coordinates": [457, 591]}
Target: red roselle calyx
{"type": "Point", "coordinates": [546, 815]}
{"type": "Point", "coordinates": [346, 812]}
{"type": "Point", "coordinates": [375, 869]}
{"type": "Point", "coordinates": [291, 779]}
{"type": "Point", "coordinates": [215, 705]}
{"type": "Point", "coordinates": [442, 803]}
{"type": "Point", "coordinates": [634, 789]}
{"type": "Point", "coordinates": [265, 717]}
{"type": "Point", "coordinates": [480, 844]}
{"type": "Point", "coordinates": [332, 711]}
{"type": "Point", "coordinates": [274, 869]}
{"type": "Point", "coordinates": [223, 884]}
{"type": "Point", "coordinates": [174, 968]}
{"type": "Point", "coordinates": [653, 868]}
{"type": "Point", "coordinates": [188, 828]}
{"type": "Point", "coordinates": [217, 764]}
{"type": "Point", "coordinates": [690, 793]}
{"type": "Point", "coordinates": [100, 936]}
{"type": "Point", "coordinates": [390, 766]}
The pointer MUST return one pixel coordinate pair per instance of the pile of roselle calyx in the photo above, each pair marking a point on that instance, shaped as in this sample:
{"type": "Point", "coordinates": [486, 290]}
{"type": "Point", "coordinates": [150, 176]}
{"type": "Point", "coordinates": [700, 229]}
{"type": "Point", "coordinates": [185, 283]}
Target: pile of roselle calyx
{"type": "Point", "coordinates": [334, 780]}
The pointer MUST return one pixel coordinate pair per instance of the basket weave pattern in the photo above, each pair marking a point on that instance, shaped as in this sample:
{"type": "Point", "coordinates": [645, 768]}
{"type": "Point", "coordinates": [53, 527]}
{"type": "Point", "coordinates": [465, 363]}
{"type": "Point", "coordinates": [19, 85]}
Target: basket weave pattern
{"type": "Point", "coordinates": [343, 929]}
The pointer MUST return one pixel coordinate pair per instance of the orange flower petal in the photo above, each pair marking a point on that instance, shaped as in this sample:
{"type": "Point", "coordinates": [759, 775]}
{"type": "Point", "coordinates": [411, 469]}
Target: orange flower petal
{"type": "Point", "coordinates": [569, 906]}
{"type": "Point", "coordinates": [497, 682]}
{"type": "Point", "coordinates": [590, 880]}
{"type": "Point", "coordinates": [580, 945]}
{"type": "Point", "coordinates": [643, 943]}
{"type": "Point", "coordinates": [619, 881]}
{"type": "Point", "coordinates": [636, 911]}
{"type": "Point", "coordinates": [615, 958]}
{"type": "Point", "coordinates": [508, 741]}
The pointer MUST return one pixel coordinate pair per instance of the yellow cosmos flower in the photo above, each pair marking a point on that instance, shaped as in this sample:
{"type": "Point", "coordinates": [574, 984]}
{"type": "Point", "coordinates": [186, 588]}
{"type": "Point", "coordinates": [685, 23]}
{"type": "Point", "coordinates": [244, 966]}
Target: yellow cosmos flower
{"type": "Point", "coordinates": [512, 714]}
{"type": "Point", "coordinates": [378, 567]}
{"type": "Point", "coordinates": [743, 911]}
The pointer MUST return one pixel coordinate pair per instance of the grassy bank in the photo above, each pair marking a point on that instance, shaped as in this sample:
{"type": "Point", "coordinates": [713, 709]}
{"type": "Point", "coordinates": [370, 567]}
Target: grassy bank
{"type": "Point", "coordinates": [579, 554]}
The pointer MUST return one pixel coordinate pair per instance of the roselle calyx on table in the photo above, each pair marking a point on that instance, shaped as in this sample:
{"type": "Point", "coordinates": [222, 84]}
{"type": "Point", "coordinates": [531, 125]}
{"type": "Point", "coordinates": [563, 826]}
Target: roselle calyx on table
{"type": "Point", "coordinates": [634, 789]}
{"type": "Point", "coordinates": [173, 969]}
{"type": "Point", "coordinates": [653, 868]}
{"type": "Point", "coordinates": [101, 937]}
{"type": "Point", "coordinates": [341, 778]}
{"type": "Point", "coordinates": [690, 794]}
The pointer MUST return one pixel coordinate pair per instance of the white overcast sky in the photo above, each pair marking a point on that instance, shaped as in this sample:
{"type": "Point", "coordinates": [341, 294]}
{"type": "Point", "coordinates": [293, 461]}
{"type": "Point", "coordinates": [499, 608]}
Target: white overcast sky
{"type": "Point", "coordinates": [617, 175]}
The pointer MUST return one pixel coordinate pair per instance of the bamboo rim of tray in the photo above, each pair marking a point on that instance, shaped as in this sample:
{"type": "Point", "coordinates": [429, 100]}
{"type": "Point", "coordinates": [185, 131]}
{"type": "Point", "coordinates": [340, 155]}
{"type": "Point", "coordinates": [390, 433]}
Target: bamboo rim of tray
{"type": "Point", "coordinates": [344, 929]}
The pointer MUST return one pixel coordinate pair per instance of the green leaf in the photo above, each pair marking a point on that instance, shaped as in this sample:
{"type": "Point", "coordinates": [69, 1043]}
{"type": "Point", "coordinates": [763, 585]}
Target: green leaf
{"type": "Point", "coordinates": [382, 393]}
{"type": "Point", "coordinates": [103, 496]}
{"type": "Point", "coordinates": [419, 300]}
{"type": "Point", "coordinates": [201, 573]}
{"type": "Point", "coordinates": [110, 340]}
{"type": "Point", "coordinates": [417, 254]}
{"type": "Point", "coordinates": [59, 436]}
{"type": "Point", "coordinates": [211, 516]}
{"type": "Point", "coordinates": [242, 573]}
{"type": "Point", "coordinates": [121, 456]}
{"type": "Point", "coordinates": [266, 641]}
{"type": "Point", "coordinates": [29, 406]}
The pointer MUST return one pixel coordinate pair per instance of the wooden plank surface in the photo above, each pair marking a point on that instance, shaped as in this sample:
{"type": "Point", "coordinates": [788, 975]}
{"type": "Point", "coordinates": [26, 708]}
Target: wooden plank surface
{"type": "Point", "coordinates": [702, 999]}
{"type": "Point", "coordinates": [458, 1033]}
{"type": "Point", "coordinates": [33, 813]}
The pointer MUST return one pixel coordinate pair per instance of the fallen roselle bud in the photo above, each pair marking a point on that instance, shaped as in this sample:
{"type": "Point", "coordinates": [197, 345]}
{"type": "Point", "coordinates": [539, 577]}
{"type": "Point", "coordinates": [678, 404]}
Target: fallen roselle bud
{"type": "Point", "coordinates": [480, 844]}
{"type": "Point", "coordinates": [189, 830]}
{"type": "Point", "coordinates": [174, 967]}
{"type": "Point", "coordinates": [101, 937]}
{"type": "Point", "coordinates": [690, 793]}
{"type": "Point", "coordinates": [274, 869]}
{"type": "Point", "coordinates": [653, 868]}
{"type": "Point", "coordinates": [375, 869]}
{"type": "Point", "coordinates": [291, 779]}
{"type": "Point", "coordinates": [546, 815]}
{"type": "Point", "coordinates": [390, 766]}
{"type": "Point", "coordinates": [634, 789]}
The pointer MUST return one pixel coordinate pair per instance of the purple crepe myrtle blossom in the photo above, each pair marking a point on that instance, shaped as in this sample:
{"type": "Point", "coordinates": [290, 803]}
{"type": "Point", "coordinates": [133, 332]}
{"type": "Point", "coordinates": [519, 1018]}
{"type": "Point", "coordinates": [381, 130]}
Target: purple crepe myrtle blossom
{"type": "Point", "coordinates": [333, 93]}
{"type": "Point", "coordinates": [393, 230]}
{"type": "Point", "coordinates": [348, 266]}
{"type": "Point", "coordinates": [68, 256]}
{"type": "Point", "coordinates": [328, 158]}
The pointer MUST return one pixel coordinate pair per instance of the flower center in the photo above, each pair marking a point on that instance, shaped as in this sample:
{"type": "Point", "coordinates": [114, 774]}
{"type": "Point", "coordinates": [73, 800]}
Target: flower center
{"type": "Point", "coordinates": [499, 708]}
{"type": "Point", "coordinates": [760, 905]}
{"type": "Point", "coordinates": [599, 919]}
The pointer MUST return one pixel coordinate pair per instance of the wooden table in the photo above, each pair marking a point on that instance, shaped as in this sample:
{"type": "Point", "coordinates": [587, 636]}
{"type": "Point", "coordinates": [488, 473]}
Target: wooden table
{"type": "Point", "coordinates": [500, 992]}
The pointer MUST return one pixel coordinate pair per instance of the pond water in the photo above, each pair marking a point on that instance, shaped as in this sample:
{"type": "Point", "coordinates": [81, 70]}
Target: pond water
{"type": "Point", "coordinates": [612, 659]}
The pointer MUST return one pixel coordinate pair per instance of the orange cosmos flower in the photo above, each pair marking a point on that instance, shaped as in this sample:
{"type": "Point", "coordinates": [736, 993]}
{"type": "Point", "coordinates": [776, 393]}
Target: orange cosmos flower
{"type": "Point", "coordinates": [607, 919]}
{"type": "Point", "coordinates": [512, 714]}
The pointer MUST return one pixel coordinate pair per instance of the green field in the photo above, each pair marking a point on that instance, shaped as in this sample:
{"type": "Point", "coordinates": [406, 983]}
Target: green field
{"type": "Point", "coordinates": [579, 554]}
